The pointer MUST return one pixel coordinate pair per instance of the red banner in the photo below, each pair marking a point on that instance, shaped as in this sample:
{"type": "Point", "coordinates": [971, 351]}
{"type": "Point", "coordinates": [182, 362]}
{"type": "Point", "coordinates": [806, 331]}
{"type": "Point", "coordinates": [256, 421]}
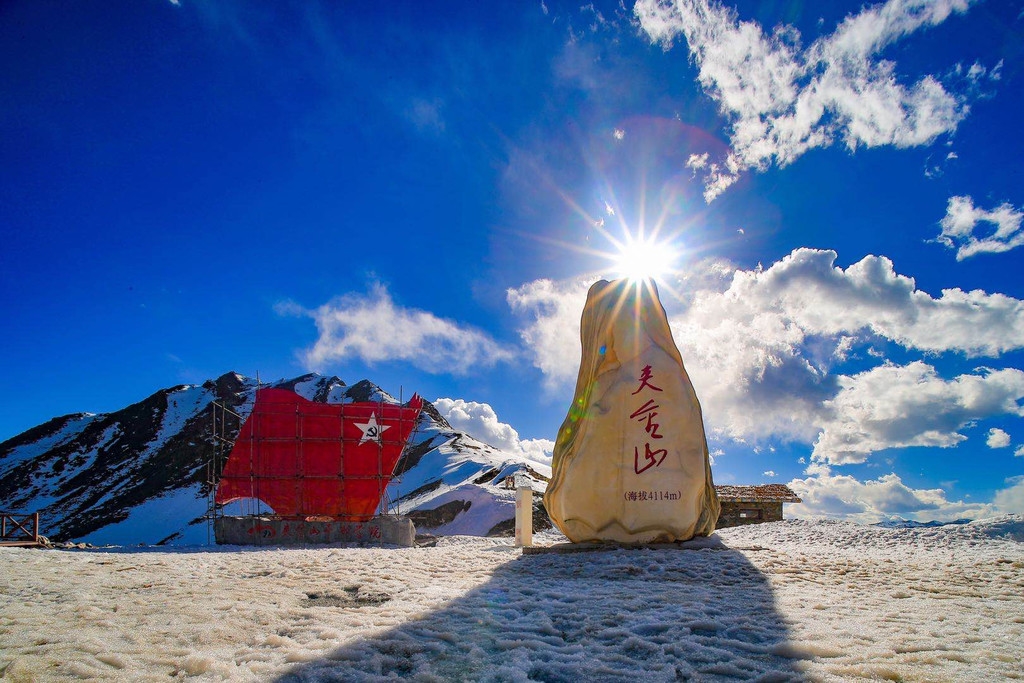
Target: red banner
{"type": "Point", "coordinates": [306, 459]}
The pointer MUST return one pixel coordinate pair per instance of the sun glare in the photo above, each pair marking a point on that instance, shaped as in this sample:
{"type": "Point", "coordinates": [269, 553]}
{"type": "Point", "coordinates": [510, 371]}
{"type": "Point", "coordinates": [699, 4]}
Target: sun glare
{"type": "Point", "coordinates": [642, 259]}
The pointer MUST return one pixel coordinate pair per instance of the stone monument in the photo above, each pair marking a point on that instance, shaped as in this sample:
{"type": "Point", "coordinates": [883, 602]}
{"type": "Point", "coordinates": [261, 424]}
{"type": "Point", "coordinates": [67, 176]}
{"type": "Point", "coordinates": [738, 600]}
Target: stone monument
{"type": "Point", "coordinates": [631, 460]}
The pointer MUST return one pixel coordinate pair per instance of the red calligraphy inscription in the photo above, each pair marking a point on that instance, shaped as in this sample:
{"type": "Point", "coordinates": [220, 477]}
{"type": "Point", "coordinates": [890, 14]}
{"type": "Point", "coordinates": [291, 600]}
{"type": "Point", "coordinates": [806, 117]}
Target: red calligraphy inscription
{"type": "Point", "coordinates": [646, 414]}
{"type": "Point", "coordinates": [645, 380]}
{"type": "Point", "coordinates": [650, 458]}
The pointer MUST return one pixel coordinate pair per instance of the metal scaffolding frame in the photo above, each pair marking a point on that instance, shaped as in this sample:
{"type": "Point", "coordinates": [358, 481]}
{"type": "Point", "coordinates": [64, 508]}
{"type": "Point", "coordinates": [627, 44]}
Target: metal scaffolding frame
{"type": "Point", "coordinates": [227, 422]}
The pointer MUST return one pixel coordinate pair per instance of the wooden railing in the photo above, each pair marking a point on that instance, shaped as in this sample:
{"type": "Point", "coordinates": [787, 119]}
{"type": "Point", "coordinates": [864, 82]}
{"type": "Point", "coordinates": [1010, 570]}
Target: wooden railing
{"type": "Point", "coordinates": [18, 529]}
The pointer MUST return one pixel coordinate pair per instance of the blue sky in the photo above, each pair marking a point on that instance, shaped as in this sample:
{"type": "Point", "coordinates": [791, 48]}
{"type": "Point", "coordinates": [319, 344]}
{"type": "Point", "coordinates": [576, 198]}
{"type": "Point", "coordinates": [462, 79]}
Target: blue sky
{"type": "Point", "coordinates": [421, 194]}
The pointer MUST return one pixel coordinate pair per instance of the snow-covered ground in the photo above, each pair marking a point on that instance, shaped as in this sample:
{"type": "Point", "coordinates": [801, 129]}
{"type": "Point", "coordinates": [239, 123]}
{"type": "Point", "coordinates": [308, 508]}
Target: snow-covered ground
{"type": "Point", "coordinates": [788, 600]}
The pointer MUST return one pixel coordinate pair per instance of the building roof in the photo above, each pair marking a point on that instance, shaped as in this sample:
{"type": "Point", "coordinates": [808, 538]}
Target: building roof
{"type": "Point", "coordinates": [766, 493]}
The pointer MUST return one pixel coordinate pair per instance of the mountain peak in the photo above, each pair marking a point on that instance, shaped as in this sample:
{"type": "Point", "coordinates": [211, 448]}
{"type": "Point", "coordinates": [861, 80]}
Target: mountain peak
{"type": "Point", "coordinates": [366, 391]}
{"type": "Point", "coordinates": [227, 384]}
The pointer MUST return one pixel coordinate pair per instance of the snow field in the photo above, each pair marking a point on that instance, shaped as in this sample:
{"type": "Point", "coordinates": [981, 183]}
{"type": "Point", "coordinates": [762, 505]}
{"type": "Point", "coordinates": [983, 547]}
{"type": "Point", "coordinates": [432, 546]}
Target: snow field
{"type": "Point", "coordinates": [782, 601]}
{"type": "Point", "coordinates": [898, 604]}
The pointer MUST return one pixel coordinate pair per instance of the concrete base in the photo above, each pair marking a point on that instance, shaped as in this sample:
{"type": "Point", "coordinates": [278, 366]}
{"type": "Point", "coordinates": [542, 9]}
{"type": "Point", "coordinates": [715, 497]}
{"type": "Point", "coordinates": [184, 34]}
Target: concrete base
{"type": "Point", "coordinates": [267, 531]}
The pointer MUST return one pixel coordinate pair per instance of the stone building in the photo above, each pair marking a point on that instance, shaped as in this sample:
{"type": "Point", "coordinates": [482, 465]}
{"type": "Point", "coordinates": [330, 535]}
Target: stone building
{"type": "Point", "coordinates": [752, 504]}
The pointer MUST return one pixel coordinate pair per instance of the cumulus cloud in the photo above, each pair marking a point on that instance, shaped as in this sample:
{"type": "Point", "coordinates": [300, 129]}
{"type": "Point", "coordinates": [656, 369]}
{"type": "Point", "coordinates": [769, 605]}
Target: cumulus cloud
{"type": "Point", "coordinates": [374, 329]}
{"type": "Point", "coordinates": [783, 99]}
{"type": "Point", "coordinates": [1011, 499]}
{"type": "Point", "coordinates": [997, 438]}
{"type": "Point", "coordinates": [770, 473]}
{"type": "Point", "coordinates": [910, 405]}
{"type": "Point", "coordinates": [807, 290]}
{"type": "Point", "coordinates": [963, 218]}
{"type": "Point", "coordinates": [552, 331]}
{"type": "Point", "coordinates": [759, 346]}
{"type": "Point", "coordinates": [825, 494]}
{"type": "Point", "coordinates": [480, 421]}
{"type": "Point", "coordinates": [750, 370]}
{"type": "Point", "coordinates": [1019, 452]}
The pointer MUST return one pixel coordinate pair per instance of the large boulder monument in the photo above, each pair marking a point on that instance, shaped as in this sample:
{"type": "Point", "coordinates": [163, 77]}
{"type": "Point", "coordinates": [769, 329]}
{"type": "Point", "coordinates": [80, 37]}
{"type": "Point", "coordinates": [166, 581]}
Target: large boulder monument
{"type": "Point", "coordinates": [631, 462]}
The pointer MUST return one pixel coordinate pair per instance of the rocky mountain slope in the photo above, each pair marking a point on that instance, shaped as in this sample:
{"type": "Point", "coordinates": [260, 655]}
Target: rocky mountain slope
{"type": "Point", "coordinates": [141, 474]}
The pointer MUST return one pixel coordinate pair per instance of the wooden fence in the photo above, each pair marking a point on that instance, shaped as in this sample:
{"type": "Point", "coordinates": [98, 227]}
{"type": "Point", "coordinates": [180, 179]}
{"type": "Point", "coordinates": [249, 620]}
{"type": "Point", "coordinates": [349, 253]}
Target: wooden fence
{"type": "Point", "coordinates": [18, 529]}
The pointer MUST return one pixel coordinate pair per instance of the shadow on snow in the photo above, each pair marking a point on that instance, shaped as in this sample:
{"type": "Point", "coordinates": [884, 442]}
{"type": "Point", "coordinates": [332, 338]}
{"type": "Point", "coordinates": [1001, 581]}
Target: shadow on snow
{"type": "Point", "coordinates": [617, 614]}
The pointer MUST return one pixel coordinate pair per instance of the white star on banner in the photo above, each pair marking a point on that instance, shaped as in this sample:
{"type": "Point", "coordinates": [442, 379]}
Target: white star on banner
{"type": "Point", "coordinates": [371, 430]}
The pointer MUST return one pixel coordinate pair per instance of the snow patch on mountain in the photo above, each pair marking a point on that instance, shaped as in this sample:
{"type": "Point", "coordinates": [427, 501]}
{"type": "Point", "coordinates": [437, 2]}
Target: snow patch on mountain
{"type": "Point", "coordinates": [73, 426]}
{"type": "Point", "coordinates": [484, 508]}
{"type": "Point", "coordinates": [53, 477]}
{"type": "Point", "coordinates": [183, 404]}
{"type": "Point", "coordinates": [165, 519]}
{"type": "Point", "coordinates": [463, 487]}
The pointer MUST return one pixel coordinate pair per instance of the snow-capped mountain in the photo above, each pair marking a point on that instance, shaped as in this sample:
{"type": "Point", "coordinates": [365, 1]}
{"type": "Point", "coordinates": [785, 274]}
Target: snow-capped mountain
{"type": "Point", "coordinates": [141, 474]}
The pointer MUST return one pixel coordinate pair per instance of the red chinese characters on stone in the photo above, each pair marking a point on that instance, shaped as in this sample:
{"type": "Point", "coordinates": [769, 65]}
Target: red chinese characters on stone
{"type": "Point", "coordinates": [645, 380]}
{"type": "Point", "coordinates": [647, 414]}
{"type": "Point", "coordinates": [651, 458]}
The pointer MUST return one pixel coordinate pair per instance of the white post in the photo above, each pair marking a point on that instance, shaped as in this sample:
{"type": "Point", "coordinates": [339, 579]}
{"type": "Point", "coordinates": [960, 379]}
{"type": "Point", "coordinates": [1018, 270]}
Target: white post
{"type": "Point", "coordinates": [524, 516]}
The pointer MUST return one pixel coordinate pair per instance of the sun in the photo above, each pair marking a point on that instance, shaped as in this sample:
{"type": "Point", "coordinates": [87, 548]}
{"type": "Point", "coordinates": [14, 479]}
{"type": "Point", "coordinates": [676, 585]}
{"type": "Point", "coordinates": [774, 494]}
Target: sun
{"type": "Point", "coordinates": [642, 259]}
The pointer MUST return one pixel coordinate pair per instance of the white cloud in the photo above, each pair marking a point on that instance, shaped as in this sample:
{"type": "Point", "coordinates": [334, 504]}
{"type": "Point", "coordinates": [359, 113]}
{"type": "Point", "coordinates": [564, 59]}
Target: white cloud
{"type": "Point", "coordinates": [619, 134]}
{"type": "Point", "coordinates": [1011, 500]}
{"type": "Point", "coordinates": [997, 438]}
{"type": "Point", "coordinates": [844, 347]}
{"type": "Point", "coordinates": [479, 420]}
{"type": "Point", "coordinates": [373, 329]}
{"type": "Point", "coordinates": [552, 335]}
{"type": "Point", "coordinates": [717, 177]}
{"type": "Point", "coordinates": [770, 473]}
{"type": "Point", "coordinates": [597, 19]}
{"type": "Point", "coordinates": [759, 350]}
{"type": "Point", "coordinates": [845, 497]}
{"type": "Point", "coordinates": [698, 161]}
{"type": "Point", "coordinates": [783, 99]}
{"type": "Point", "coordinates": [759, 344]}
{"type": "Point", "coordinates": [806, 289]}
{"type": "Point", "coordinates": [1019, 452]}
{"type": "Point", "coordinates": [962, 218]}
{"type": "Point", "coordinates": [910, 405]}
{"type": "Point", "coordinates": [749, 369]}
